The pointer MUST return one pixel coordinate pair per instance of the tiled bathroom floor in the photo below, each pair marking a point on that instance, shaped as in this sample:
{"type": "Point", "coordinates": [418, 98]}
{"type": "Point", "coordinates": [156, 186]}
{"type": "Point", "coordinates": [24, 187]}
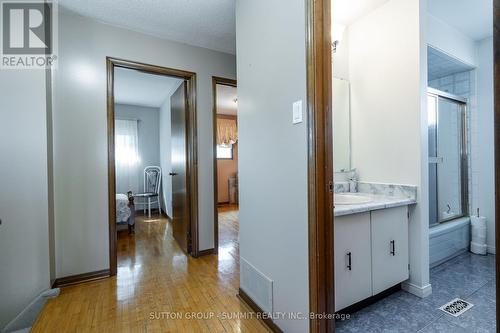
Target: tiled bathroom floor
{"type": "Point", "coordinates": [468, 276]}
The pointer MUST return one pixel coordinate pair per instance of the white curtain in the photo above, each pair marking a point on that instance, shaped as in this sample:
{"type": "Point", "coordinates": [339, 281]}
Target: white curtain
{"type": "Point", "coordinates": [126, 155]}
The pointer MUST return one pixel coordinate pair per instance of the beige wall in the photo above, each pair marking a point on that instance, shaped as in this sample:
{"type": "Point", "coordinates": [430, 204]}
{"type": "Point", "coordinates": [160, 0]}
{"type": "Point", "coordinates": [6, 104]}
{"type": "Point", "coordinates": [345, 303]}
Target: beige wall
{"type": "Point", "coordinates": [225, 170]}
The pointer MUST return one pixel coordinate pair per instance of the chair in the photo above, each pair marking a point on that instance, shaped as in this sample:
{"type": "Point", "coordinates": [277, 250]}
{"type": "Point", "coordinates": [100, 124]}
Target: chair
{"type": "Point", "coordinates": [152, 185]}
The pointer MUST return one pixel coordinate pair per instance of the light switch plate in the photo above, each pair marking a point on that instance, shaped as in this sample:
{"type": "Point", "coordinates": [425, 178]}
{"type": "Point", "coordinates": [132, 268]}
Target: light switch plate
{"type": "Point", "coordinates": [297, 112]}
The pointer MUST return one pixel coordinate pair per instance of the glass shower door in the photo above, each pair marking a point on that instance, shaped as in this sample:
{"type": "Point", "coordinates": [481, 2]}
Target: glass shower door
{"type": "Point", "coordinates": [447, 157]}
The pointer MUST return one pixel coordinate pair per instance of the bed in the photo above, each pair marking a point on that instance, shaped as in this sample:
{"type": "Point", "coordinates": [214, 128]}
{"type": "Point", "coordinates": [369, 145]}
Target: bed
{"type": "Point", "coordinates": [124, 216]}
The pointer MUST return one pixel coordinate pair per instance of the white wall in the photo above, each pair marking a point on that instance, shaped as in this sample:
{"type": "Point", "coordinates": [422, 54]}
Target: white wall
{"type": "Point", "coordinates": [387, 65]}
{"type": "Point", "coordinates": [24, 234]}
{"type": "Point", "coordinates": [449, 40]}
{"type": "Point", "coordinates": [80, 134]}
{"type": "Point", "coordinates": [482, 149]}
{"type": "Point", "coordinates": [273, 201]}
{"type": "Point", "coordinates": [340, 58]}
{"type": "Point", "coordinates": [148, 132]}
{"type": "Point", "coordinates": [341, 117]}
{"type": "Point", "coordinates": [385, 93]}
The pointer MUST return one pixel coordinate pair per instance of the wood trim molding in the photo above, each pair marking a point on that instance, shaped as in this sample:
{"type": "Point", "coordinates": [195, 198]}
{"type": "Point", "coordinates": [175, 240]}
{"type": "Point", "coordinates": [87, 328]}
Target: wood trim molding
{"type": "Point", "coordinates": [81, 278]}
{"type": "Point", "coordinates": [226, 116]}
{"type": "Point", "coordinates": [320, 163]}
{"type": "Point", "coordinates": [192, 156]}
{"type": "Point", "coordinates": [228, 82]}
{"type": "Point", "coordinates": [255, 308]}
{"type": "Point", "coordinates": [192, 162]}
{"type": "Point", "coordinates": [496, 80]}
{"type": "Point", "coordinates": [113, 252]}
{"type": "Point", "coordinates": [206, 252]}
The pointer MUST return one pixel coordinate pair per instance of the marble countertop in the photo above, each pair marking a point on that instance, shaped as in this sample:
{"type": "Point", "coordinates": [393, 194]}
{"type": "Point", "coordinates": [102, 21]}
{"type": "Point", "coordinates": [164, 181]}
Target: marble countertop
{"type": "Point", "coordinates": [379, 201]}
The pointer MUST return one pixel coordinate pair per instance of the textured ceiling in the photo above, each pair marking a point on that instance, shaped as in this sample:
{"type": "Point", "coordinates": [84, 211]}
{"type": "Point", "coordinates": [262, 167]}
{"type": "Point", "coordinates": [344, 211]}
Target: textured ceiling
{"type": "Point", "coordinates": [226, 96]}
{"type": "Point", "coordinates": [441, 64]}
{"type": "Point", "coordinates": [209, 24]}
{"type": "Point", "coordinates": [137, 88]}
{"type": "Point", "coordinates": [473, 18]}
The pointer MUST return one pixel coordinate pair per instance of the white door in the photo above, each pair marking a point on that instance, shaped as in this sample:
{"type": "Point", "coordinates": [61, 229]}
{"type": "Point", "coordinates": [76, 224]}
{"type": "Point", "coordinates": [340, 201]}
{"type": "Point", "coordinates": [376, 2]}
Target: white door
{"type": "Point", "coordinates": [352, 260]}
{"type": "Point", "coordinates": [389, 247]}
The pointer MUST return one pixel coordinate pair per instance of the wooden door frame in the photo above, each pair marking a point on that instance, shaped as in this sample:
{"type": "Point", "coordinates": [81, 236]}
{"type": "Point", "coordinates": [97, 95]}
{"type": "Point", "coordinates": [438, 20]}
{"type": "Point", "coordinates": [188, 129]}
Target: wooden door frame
{"type": "Point", "coordinates": [226, 82]}
{"type": "Point", "coordinates": [192, 154]}
{"type": "Point", "coordinates": [320, 164]}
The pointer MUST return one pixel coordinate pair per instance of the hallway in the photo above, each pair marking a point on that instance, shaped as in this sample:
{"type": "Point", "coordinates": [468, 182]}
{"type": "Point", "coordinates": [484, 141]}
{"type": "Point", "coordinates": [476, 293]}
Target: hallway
{"type": "Point", "coordinates": [155, 281]}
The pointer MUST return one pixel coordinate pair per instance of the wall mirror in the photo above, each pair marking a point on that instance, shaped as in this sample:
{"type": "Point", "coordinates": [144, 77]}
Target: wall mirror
{"type": "Point", "coordinates": [341, 125]}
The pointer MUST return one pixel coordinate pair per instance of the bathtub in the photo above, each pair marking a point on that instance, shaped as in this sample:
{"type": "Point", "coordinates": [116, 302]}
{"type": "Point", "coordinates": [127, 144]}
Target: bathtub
{"type": "Point", "coordinates": [448, 240]}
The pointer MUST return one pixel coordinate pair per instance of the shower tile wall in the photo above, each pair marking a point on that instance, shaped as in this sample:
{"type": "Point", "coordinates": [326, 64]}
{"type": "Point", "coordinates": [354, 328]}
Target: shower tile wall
{"type": "Point", "coordinates": [464, 85]}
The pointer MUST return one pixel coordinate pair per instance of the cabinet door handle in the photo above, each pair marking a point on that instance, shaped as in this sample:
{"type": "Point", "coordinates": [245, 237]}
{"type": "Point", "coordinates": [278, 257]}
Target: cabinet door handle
{"type": "Point", "coordinates": [393, 247]}
{"type": "Point", "coordinates": [349, 258]}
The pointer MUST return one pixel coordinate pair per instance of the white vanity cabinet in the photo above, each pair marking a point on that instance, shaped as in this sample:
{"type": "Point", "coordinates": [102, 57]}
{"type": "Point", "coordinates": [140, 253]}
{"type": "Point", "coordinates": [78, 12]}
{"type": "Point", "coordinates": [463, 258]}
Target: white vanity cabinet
{"type": "Point", "coordinates": [353, 281]}
{"type": "Point", "coordinates": [371, 254]}
{"type": "Point", "coordinates": [389, 229]}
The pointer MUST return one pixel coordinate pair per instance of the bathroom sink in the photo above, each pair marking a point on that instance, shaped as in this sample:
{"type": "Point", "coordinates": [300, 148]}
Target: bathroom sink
{"type": "Point", "coordinates": [351, 199]}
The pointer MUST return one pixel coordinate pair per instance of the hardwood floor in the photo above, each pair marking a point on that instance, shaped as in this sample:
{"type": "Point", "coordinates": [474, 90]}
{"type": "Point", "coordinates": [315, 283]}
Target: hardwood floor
{"type": "Point", "coordinates": [158, 287]}
{"type": "Point", "coordinates": [228, 231]}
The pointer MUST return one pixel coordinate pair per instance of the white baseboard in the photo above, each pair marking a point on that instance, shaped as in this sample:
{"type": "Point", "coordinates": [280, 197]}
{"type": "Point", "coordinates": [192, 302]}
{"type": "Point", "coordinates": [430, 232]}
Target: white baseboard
{"type": "Point", "coordinates": [28, 316]}
{"type": "Point", "coordinates": [421, 292]}
{"type": "Point", "coordinates": [491, 249]}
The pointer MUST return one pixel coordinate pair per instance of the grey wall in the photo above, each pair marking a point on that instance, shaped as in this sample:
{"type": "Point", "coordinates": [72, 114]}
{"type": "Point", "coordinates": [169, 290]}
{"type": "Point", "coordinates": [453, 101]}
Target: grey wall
{"type": "Point", "coordinates": [24, 234]}
{"type": "Point", "coordinates": [273, 200]}
{"type": "Point", "coordinates": [80, 134]}
{"type": "Point", "coordinates": [149, 139]}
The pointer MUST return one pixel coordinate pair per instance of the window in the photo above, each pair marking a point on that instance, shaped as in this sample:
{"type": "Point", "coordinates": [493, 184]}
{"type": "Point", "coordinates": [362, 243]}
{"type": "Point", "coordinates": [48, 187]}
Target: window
{"type": "Point", "coordinates": [126, 156]}
{"type": "Point", "coordinates": [224, 152]}
{"type": "Point", "coordinates": [126, 143]}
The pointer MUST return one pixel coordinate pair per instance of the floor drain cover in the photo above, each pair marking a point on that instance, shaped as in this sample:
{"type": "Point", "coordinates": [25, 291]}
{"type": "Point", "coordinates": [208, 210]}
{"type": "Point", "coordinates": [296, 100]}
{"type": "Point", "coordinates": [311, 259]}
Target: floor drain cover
{"type": "Point", "coordinates": [456, 307]}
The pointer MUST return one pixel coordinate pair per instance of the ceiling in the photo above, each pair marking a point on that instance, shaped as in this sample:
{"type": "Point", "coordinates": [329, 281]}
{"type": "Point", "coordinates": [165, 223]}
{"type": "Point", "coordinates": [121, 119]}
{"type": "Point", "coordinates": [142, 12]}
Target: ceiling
{"type": "Point", "coordinates": [473, 18]}
{"type": "Point", "coordinates": [347, 11]}
{"type": "Point", "coordinates": [137, 88]}
{"type": "Point", "coordinates": [226, 96]}
{"type": "Point", "coordinates": [209, 24]}
{"type": "Point", "coordinates": [441, 65]}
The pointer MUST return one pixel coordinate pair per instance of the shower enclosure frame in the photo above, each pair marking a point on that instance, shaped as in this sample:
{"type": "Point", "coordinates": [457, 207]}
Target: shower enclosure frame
{"type": "Point", "coordinates": [464, 151]}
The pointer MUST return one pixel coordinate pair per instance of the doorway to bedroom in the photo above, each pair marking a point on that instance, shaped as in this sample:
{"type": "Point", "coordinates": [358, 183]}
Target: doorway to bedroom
{"type": "Point", "coordinates": [225, 117]}
{"type": "Point", "coordinates": [151, 119]}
